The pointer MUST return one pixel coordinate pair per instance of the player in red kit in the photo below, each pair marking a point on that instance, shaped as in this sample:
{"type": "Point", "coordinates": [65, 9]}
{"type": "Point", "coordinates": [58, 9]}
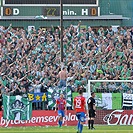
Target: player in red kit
{"type": "Point", "coordinates": [61, 105]}
{"type": "Point", "coordinates": [80, 108]}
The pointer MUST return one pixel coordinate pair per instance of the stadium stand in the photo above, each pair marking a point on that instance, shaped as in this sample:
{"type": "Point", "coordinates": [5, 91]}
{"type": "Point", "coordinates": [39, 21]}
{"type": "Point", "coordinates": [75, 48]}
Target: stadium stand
{"type": "Point", "coordinates": [29, 60]}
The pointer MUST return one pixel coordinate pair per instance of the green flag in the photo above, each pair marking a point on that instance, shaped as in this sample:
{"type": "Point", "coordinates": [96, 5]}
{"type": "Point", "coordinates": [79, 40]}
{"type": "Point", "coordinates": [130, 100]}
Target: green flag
{"type": "Point", "coordinates": [16, 108]}
{"type": "Point", "coordinates": [116, 101]}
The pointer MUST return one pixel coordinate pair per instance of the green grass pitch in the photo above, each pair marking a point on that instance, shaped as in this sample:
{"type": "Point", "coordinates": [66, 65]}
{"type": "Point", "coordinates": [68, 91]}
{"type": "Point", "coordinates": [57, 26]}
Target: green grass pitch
{"type": "Point", "coordinates": [67, 129]}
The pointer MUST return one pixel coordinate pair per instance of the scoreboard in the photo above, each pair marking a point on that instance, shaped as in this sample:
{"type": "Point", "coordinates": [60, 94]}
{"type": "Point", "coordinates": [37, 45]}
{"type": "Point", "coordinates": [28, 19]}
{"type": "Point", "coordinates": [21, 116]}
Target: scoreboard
{"type": "Point", "coordinates": [26, 8]}
{"type": "Point", "coordinates": [49, 2]}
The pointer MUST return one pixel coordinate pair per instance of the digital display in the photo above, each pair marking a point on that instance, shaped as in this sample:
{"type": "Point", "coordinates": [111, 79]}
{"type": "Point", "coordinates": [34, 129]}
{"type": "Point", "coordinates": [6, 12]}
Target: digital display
{"type": "Point", "coordinates": [49, 11]}
{"type": "Point", "coordinates": [50, 2]}
{"type": "Point", "coordinates": [55, 11]}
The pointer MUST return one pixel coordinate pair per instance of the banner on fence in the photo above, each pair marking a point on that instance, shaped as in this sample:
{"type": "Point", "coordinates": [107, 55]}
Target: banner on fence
{"type": "Point", "coordinates": [50, 118]}
{"type": "Point", "coordinates": [109, 100]}
{"type": "Point", "coordinates": [16, 108]}
{"type": "Point", "coordinates": [37, 97]}
{"type": "Point", "coordinates": [127, 100]}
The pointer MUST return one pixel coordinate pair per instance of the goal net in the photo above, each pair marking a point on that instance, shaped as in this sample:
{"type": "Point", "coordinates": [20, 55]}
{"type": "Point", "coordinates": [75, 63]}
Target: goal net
{"type": "Point", "coordinates": [114, 101]}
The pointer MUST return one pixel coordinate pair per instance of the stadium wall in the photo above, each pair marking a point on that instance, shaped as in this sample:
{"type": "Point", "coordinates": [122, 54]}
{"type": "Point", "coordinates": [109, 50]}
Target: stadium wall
{"type": "Point", "coordinates": [118, 7]}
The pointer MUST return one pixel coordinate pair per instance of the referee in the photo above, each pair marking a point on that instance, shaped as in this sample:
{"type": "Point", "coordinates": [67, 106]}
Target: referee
{"type": "Point", "coordinates": [91, 111]}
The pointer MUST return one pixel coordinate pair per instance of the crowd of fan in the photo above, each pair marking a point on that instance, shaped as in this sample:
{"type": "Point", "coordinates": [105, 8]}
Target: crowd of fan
{"type": "Point", "coordinates": [30, 60]}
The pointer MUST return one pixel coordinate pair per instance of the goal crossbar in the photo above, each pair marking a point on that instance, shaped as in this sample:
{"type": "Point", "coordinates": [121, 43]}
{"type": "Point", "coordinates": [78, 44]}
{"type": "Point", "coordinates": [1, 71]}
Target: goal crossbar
{"type": "Point", "coordinates": [110, 80]}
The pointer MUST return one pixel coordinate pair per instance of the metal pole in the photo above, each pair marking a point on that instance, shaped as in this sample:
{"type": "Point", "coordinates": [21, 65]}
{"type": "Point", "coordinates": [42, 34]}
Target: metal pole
{"type": "Point", "coordinates": [61, 32]}
{"type": "Point", "coordinates": [61, 44]}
